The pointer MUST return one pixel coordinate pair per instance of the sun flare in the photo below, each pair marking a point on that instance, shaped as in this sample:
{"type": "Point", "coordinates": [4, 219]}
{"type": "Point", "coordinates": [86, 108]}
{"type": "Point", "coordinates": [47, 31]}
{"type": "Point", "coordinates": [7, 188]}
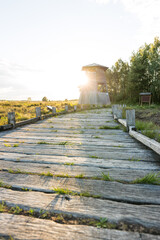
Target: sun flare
{"type": "Point", "coordinates": [83, 80]}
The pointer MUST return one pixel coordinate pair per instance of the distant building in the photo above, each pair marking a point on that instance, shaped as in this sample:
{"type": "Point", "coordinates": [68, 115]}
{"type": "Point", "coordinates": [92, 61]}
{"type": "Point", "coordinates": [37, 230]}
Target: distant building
{"type": "Point", "coordinates": [95, 91]}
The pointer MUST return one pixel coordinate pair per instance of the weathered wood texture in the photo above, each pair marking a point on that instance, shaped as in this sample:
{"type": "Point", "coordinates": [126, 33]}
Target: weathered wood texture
{"type": "Point", "coordinates": [132, 193]}
{"type": "Point", "coordinates": [145, 215]}
{"type": "Point", "coordinates": [12, 225]}
{"type": "Point", "coordinates": [74, 144]}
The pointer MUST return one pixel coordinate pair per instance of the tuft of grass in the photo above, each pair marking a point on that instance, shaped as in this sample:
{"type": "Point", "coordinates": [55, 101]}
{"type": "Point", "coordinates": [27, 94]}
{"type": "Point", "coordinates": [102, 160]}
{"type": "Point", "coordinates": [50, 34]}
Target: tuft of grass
{"type": "Point", "coordinates": [119, 146]}
{"type": "Point", "coordinates": [150, 178]}
{"type": "Point", "coordinates": [7, 145]}
{"type": "Point", "coordinates": [109, 127]}
{"type": "Point", "coordinates": [16, 210]}
{"type": "Point", "coordinates": [70, 192]}
{"type": "Point", "coordinates": [62, 143]}
{"type": "Point", "coordinates": [124, 128]}
{"type": "Point", "coordinates": [16, 145]}
{"type": "Point", "coordinates": [106, 177]}
{"type": "Point", "coordinates": [59, 218]}
{"type": "Point", "coordinates": [69, 164]}
{"type": "Point", "coordinates": [18, 171]}
{"type": "Point", "coordinates": [102, 223]}
{"type": "Point", "coordinates": [42, 142]}
{"type": "Point", "coordinates": [80, 176]}
{"type": "Point", "coordinates": [11, 171]}
{"type": "Point", "coordinates": [93, 156]}
{"type": "Point", "coordinates": [48, 174]}
{"type": "Point", "coordinates": [31, 212]}
{"type": "Point", "coordinates": [63, 191]}
{"type": "Point", "coordinates": [2, 206]}
{"type": "Point", "coordinates": [24, 189]}
{"type": "Point", "coordinates": [134, 159]}
{"type": "Point", "coordinates": [5, 185]}
{"type": "Point", "coordinates": [97, 137]}
{"type": "Point", "coordinates": [62, 175]}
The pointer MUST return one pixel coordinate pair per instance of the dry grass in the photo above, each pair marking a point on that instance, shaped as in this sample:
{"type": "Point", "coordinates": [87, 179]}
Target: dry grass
{"type": "Point", "coordinates": [26, 109]}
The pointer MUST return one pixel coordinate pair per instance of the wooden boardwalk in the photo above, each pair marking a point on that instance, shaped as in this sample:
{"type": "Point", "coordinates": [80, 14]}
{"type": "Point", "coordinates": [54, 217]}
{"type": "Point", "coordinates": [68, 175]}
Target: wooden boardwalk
{"type": "Point", "coordinates": [77, 155]}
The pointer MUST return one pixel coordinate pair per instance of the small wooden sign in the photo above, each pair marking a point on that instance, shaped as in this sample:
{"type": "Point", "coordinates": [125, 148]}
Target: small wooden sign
{"type": "Point", "coordinates": [145, 98]}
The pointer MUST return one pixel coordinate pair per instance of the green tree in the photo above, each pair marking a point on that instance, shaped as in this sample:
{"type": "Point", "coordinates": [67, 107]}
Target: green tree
{"type": "Point", "coordinates": [144, 73]}
{"type": "Point", "coordinates": [45, 99]}
{"type": "Point", "coordinates": [117, 78]}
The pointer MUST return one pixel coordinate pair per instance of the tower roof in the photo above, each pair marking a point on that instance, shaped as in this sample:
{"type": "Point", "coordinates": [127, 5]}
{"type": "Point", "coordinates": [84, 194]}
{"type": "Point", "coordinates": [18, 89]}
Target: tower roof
{"type": "Point", "coordinates": [92, 66]}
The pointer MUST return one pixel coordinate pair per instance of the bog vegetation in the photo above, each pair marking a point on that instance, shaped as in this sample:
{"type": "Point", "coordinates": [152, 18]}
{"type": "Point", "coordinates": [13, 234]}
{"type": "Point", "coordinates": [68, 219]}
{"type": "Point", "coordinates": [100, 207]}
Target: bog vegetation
{"type": "Point", "coordinates": [142, 74]}
{"type": "Point", "coordinates": [26, 109]}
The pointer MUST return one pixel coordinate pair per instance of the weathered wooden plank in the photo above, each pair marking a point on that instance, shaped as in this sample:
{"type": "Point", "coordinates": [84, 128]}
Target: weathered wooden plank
{"type": "Point", "coordinates": [131, 193]}
{"type": "Point", "coordinates": [8, 159]}
{"type": "Point", "coordinates": [49, 132]}
{"type": "Point", "coordinates": [147, 216]}
{"type": "Point", "coordinates": [70, 151]}
{"type": "Point", "coordinates": [91, 171]}
{"type": "Point", "coordinates": [23, 227]}
{"type": "Point", "coordinates": [70, 145]}
{"type": "Point", "coordinates": [95, 141]}
{"type": "Point", "coordinates": [75, 135]}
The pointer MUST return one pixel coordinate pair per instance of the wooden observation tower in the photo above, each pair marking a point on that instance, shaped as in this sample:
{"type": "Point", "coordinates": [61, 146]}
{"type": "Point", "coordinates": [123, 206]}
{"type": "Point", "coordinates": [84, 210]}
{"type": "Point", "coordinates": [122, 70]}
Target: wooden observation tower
{"type": "Point", "coordinates": [95, 91]}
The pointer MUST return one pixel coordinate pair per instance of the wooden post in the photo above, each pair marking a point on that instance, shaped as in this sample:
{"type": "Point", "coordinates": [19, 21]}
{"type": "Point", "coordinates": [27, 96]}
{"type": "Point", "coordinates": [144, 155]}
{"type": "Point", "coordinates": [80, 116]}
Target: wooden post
{"type": "Point", "coordinates": [38, 111]}
{"type": "Point", "coordinates": [75, 108]}
{"type": "Point", "coordinates": [66, 108]}
{"type": "Point", "coordinates": [114, 110]}
{"type": "Point", "coordinates": [119, 113]}
{"type": "Point", "coordinates": [11, 118]}
{"type": "Point", "coordinates": [130, 119]}
{"type": "Point", "coordinates": [53, 110]}
{"type": "Point", "coordinates": [81, 107]}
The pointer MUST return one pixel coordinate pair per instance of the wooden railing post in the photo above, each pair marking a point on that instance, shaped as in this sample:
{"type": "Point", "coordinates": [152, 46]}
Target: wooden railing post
{"type": "Point", "coordinates": [38, 111]}
{"type": "Point", "coordinates": [53, 110]}
{"type": "Point", "coordinates": [114, 110]}
{"type": "Point", "coordinates": [11, 118]}
{"type": "Point", "coordinates": [66, 108]}
{"type": "Point", "coordinates": [75, 108]}
{"type": "Point", "coordinates": [119, 113]}
{"type": "Point", "coordinates": [130, 119]}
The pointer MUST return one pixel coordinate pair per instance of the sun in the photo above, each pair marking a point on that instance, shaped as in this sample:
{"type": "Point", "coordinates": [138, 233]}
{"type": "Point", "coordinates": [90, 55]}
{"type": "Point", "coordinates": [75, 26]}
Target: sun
{"type": "Point", "coordinates": [82, 80]}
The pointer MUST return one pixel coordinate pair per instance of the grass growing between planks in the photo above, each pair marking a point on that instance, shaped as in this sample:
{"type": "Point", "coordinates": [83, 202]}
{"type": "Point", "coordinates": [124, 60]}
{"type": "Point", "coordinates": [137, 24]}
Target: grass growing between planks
{"type": "Point", "coordinates": [151, 178]}
{"type": "Point", "coordinates": [64, 218]}
{"type": "Point", "coordinates": [109, 127]}
{"type": "Point", "coordinates": [106, 177]}
{"type": "Point", "coordinates": [93, 156]}
{"type": "Point", "coordinates": [66, 191]}
{"type": "Point", "coordinates": [69, 164]}
{"type": "Point", "coordinates": [60, 143]}
{"type": "Point", "coordinates": [61, 218]}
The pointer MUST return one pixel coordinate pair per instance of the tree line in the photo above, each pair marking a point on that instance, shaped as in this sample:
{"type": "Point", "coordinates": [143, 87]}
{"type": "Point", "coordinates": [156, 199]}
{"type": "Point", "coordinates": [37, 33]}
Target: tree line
{"type": "Point", "coordinates": [142, 74]}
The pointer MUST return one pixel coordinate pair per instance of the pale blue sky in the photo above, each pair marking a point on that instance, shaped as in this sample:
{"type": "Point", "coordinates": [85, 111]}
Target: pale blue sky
{"type": "Point", "coordinates": [44, 43]}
